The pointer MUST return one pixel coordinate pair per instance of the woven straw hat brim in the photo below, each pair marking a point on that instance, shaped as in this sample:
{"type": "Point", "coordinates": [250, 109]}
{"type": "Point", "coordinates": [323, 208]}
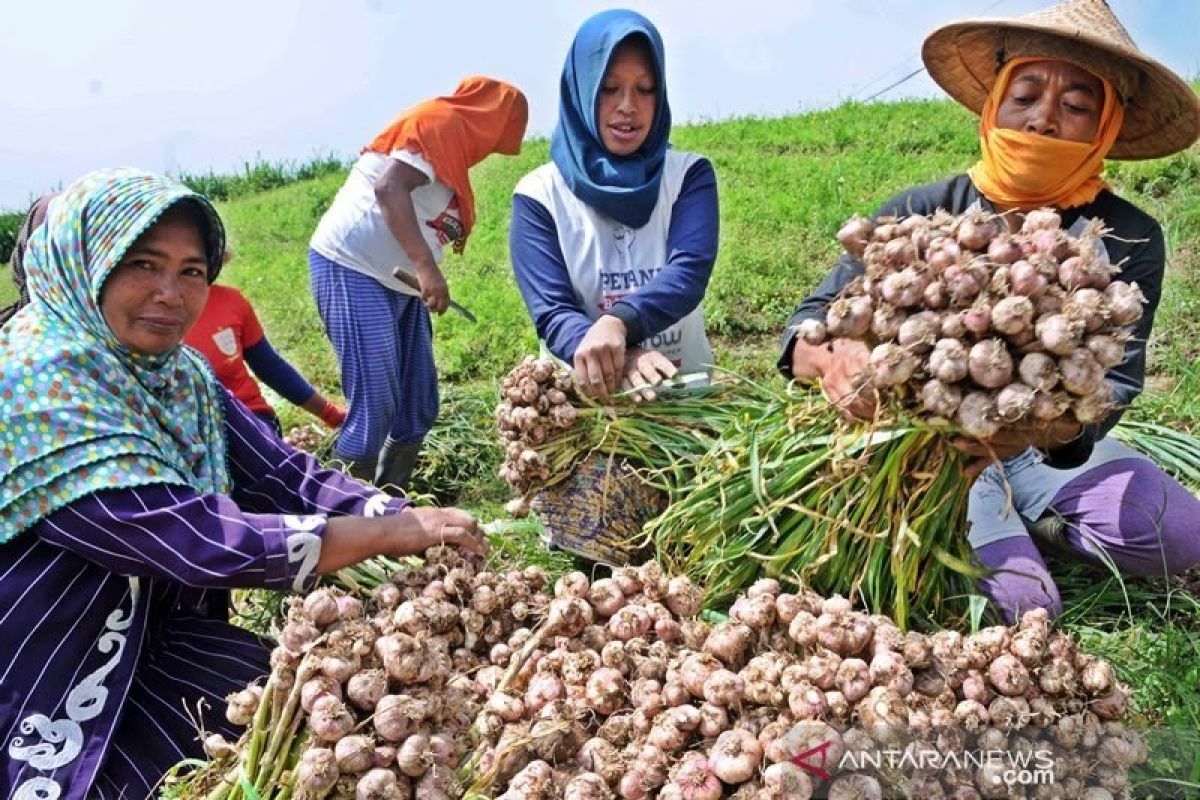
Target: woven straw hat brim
{"type": "Point", "coordinates": [1162, 112]}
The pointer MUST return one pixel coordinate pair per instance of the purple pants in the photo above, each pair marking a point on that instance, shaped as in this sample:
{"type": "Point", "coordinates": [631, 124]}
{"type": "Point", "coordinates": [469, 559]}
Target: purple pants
{"type": "Point", "coordinates": [1127, 511]}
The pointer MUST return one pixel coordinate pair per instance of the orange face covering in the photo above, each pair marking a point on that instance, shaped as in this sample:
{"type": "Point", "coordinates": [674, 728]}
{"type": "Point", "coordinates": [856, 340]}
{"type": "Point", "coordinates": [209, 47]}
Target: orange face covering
{"type": "Point", "coordinates": [1029, 170]}
{"type": "Point", "coordinates": [454, 133]}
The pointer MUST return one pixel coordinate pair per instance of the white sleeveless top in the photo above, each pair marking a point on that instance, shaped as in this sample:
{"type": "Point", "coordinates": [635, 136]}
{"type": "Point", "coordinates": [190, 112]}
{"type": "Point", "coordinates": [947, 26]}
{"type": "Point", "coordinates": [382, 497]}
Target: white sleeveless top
{"type": "Point", "coordinates": [609, 261]}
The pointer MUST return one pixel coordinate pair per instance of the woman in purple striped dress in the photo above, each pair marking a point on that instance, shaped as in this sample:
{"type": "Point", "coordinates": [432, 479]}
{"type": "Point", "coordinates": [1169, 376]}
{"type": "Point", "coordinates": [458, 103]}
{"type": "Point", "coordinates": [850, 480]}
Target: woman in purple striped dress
{"type": "Point", "coordinates": [130, 484]}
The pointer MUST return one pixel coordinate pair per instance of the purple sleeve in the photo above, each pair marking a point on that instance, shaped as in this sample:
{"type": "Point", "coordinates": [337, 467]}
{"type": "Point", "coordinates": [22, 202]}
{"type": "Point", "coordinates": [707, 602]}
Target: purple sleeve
{"type": "Point", "coordinates": [198, 540]}
{"type": "Point", "coordinates": [692, 239]}
{"type": "Point", "coordinates": [543, 280]}
{"type": "Point", "coordinates": [267, 534]}
{"type": "Point", "coordinates": [274, 370]}
{"type": "Point", "coordinates": [270, 477]}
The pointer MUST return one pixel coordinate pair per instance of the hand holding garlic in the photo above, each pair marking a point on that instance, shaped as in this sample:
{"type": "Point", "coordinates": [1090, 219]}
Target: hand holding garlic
{"type": "Point", "coordinates": [643, 370]}
{"type": "Point", "coordinates": [416, 529]}
{"type": "Point", "coordinates": [1012, 441]}
{"type": "Point", "coordinates": [840, 365]}
{"type": "Point", "coordinates": [985, 329]}
{"type": "Point", "coordinates": [600, 357]}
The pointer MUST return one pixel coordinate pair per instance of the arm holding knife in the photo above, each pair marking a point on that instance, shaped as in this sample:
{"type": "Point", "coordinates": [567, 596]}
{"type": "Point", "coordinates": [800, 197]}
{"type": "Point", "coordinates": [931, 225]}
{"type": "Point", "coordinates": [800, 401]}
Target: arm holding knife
{"type": "Point", "coordinates": [393, 191]}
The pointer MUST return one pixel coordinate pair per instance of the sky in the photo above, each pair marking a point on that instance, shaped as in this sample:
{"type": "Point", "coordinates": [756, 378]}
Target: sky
{"type": "Point", "coordinates": [171, 86]}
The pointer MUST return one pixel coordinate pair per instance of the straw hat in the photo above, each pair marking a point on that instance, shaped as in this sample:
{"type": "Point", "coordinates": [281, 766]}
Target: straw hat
{"type": "Point", "coordinates": [1162, 112]}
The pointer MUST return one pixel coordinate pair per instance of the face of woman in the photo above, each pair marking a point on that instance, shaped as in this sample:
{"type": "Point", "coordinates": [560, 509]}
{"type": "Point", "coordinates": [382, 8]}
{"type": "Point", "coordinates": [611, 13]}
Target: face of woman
{"type": "Point", "coordinates": [152, 298]}
{"type": "Point", "coordinates": [1052, 98]}
{"type": "Point", "coordinates": [628, 95]}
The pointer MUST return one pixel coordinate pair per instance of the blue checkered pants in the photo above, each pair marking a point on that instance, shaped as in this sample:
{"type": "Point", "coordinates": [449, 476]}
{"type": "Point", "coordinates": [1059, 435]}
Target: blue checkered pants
{"type": "Point", "coordinates": [384, 346]}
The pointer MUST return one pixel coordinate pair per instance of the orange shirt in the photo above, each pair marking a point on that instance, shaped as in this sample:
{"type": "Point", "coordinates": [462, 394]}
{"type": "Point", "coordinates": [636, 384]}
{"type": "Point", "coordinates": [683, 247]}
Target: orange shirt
{"type": "Point", "coordinates": [225, 328]}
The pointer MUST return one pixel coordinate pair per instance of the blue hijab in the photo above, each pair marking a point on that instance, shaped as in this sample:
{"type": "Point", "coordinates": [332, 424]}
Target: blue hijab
{"type": "Point", "coordinates": [622, 187]}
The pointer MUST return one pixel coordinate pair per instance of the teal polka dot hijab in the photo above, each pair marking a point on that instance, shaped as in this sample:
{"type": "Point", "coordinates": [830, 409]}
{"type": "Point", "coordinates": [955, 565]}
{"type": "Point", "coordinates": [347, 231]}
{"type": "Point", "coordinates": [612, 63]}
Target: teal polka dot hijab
{"type": "Point", "coordinates": [80, 412]}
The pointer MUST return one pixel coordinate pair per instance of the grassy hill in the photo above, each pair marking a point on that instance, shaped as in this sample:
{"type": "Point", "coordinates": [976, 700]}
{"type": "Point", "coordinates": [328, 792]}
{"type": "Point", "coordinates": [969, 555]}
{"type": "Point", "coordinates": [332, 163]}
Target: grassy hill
{"type": "Point", "coordinates": [786, 184]}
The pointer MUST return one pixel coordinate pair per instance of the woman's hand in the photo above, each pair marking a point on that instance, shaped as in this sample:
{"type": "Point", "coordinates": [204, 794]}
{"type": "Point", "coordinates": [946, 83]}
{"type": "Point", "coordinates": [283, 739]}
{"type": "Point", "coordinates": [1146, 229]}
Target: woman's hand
{"type": "Point", "coordinates": [434, 290]}
{"type": "Point", "coordinates": [393, 192]}
{"type": "Point", "coordinates": [839, 365]}
{"type": "Point", "coordinates": [1013, 441]}
{"type": "Point", "coordinates": [333, 415]}
{"type": "Point", "coordinates": [417, 529]}
{"type": "Point", "coordinates": [349, 540]}
{"type": "Point", "coordinates": [600, 357]}
{"type": "Point", "coordinates": [325, 410]}
{"type": "Point", "coordinates": [644, 369]}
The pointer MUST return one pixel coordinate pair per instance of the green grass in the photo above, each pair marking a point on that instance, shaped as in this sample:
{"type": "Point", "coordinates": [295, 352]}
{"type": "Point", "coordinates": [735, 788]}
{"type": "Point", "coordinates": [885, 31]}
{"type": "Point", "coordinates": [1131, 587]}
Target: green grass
{"type": "Point", "coordinates": [260, 175]}
{"type": "Point", "coordinates": [786, 184]}
{"type": "Point", "coordinates": [10, 223]}
{"type": "Point", "coordinates": [7, 293]}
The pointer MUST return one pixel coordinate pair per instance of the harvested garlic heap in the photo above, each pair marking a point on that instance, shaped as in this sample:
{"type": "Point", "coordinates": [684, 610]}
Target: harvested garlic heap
{"type": "Point", "coordinates": [614, 688]}
{"type": "Point", "coordinates": [635, 698]}
{"type": "Point", "coordinates": [383, 689]}
{"type": "Point", "coordinates": [537, 397]}
{"type": "Point", "coordinates": [988, 329]}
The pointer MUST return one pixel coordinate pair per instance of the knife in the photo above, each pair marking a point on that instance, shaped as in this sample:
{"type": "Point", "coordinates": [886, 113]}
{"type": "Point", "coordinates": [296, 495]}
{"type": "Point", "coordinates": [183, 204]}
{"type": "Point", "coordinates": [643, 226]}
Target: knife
{"type": "Point", "coordinates": [410, 280]}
